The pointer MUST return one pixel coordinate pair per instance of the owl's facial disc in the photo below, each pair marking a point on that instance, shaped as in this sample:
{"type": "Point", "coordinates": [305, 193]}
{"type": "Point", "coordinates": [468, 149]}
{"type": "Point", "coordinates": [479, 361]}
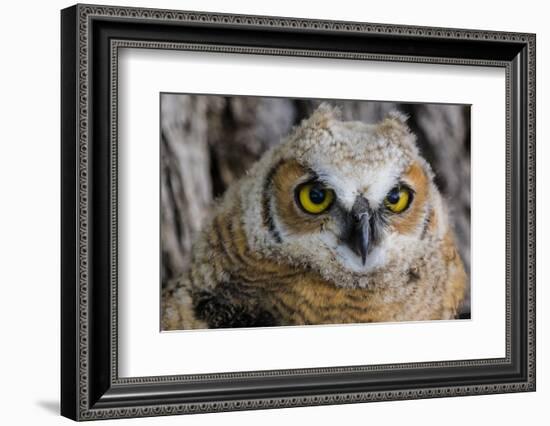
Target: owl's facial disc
{"type": "Point", "coordinates": [332, 220]}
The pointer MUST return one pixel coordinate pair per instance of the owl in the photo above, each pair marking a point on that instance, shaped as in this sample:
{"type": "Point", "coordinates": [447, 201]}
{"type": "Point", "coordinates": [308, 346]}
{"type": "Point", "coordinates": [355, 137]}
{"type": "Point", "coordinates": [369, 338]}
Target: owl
{"type": "Point", "coordinates": [339, 223]}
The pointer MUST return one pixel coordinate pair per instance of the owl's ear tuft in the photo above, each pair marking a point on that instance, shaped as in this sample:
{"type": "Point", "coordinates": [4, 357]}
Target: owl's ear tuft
{"type": "Point", "coordinates": [398, 116]}
{"type": "Point", "coordinates": [394, 124]}
{"type": "Point", "coordinates": [322, 116]}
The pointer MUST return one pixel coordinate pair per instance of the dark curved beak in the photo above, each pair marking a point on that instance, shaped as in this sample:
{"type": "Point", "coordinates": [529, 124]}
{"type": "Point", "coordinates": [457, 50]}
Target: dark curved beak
{"type": "Point", "coordinates": [358, 236]}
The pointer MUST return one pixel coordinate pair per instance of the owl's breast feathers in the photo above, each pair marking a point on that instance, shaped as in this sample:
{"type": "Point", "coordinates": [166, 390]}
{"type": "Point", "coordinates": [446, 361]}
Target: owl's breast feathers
{"type": "Point", "coordinates": [231, 285]}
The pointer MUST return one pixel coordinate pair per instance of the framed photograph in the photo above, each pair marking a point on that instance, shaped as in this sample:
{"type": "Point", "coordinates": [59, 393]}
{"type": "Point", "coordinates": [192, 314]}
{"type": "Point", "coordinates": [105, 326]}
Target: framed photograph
{"type": "Point", "coordinates": [263, 212]}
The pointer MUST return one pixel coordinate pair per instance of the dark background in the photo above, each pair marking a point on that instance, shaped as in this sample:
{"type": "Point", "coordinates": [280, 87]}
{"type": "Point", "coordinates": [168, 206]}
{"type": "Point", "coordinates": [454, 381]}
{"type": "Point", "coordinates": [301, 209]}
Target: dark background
{"type": "Point", "coordinates": [207, 142]}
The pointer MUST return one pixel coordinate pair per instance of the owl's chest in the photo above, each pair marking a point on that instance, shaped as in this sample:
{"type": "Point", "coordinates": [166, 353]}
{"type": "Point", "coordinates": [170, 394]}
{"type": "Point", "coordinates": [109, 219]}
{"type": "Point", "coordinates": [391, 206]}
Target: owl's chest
{"type": "Point", "coordinates": [308, 299]}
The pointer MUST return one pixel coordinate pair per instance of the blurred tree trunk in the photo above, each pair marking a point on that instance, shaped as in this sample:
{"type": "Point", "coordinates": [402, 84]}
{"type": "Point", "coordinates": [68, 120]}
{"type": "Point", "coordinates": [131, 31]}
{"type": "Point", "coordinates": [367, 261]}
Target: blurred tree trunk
{"type": "Point", "coordinates": [185, 178]}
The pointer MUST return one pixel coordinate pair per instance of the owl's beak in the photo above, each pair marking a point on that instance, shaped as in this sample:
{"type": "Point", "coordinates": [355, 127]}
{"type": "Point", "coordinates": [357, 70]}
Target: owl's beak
{"type": "Point", "coordinates": [358, 235]}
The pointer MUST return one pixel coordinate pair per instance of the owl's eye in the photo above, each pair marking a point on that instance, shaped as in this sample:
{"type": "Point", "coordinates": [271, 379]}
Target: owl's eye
{"type": "Point", "coordinates": [398, 199]}
{"type": "Point", "coordinates": [314, 197]}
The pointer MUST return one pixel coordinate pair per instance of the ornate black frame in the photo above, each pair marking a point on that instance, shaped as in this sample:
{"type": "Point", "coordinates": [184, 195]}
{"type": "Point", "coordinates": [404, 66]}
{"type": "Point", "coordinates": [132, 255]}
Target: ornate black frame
{"type": "Point", "coordinates": [91, 37]}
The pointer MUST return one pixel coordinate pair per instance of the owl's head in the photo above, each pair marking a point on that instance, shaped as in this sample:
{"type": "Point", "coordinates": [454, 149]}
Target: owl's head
{"type": "Point", "coordinates": [343, 198]}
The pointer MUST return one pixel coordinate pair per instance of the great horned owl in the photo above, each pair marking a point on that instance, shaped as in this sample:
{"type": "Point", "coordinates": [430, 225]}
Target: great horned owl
{"type": "Point", "coordinates": [340, 223]}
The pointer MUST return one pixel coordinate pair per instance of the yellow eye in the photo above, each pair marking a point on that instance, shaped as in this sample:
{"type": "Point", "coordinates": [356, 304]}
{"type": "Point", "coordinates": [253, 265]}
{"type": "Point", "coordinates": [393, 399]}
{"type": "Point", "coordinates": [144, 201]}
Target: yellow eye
{"type": "Point", "coordinates": [398, 199]}
{"type": "Point", "coordinates": [314, 198]}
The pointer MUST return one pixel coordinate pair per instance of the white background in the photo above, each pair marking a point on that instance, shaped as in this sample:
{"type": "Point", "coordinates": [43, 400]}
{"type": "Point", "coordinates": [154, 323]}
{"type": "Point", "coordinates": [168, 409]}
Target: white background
{"type": "Point", "coordinates": [146, 352]}
{"type": "Point", "coordinates": [29, 225]}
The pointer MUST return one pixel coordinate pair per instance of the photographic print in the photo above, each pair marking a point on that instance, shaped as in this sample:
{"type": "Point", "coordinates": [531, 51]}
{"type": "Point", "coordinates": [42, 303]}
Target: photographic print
{"type": "Point", "coordinates": [285, 212]}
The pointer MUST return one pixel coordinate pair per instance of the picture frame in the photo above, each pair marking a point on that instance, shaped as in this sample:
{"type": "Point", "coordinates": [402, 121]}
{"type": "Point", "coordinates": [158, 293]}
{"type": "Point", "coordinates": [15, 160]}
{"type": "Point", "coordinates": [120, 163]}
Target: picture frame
{"type": "Point", "coordinates": [91, 38]}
